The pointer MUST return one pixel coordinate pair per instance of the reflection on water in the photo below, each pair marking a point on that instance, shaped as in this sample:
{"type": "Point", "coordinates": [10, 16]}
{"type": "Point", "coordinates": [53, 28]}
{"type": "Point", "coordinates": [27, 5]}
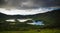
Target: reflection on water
{"type": "Point", "coordinates": [20, 20]}
{"type": "Point", "coordinates": [33, 22]}
{"type": "Point", "coordinates": [10, 20]}
{"type": "Point", "coordinates": [36, 23]}
{"type": "Point", "coordinates": [23, 20]}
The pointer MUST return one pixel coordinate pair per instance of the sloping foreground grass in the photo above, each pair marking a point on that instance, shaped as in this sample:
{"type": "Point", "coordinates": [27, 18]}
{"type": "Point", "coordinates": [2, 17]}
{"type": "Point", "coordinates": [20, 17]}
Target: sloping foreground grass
{"type": "Point", "coordinates": [35, 31]}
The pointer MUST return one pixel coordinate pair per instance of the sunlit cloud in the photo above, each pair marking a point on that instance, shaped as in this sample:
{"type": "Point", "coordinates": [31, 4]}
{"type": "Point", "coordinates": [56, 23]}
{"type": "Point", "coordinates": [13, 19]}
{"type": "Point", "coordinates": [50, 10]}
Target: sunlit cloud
{"type": "Point", "coordinates": [24, 12]}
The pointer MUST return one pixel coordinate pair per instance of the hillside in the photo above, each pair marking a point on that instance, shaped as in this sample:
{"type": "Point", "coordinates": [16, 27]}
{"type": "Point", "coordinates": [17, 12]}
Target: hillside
{"type": "Point", "coordinates": [51, 19]}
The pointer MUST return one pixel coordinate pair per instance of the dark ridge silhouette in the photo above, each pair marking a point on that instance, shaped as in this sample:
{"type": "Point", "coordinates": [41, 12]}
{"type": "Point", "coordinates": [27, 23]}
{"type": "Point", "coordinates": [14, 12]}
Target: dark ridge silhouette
{"type": "Point", "coordinates": [2, 15]}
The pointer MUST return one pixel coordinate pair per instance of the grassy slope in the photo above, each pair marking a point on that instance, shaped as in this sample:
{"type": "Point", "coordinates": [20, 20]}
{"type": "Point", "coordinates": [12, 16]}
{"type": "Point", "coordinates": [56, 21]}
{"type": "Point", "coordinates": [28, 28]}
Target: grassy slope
{"type": "Point", "coordinates": [35, 31]}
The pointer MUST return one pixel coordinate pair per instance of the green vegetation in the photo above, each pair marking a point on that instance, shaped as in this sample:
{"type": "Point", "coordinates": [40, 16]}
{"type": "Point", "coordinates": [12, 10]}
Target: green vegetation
{"type": "Point", "coordinates": [35, 31]}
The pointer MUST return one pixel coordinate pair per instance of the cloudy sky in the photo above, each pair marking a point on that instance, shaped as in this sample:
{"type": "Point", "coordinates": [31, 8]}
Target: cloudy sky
{"type": "Point", "coordinates": [27, 7]}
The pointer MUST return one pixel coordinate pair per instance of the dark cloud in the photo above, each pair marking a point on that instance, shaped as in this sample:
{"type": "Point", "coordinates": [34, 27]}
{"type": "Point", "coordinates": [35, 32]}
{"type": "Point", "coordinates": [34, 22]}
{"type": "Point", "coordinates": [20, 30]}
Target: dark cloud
{"type": "Point", "coordinates": [2, 2]}
{"type": "Point", "coordinates": [52, 3]}
{"type": "Point", "coordinates": [29, 4]}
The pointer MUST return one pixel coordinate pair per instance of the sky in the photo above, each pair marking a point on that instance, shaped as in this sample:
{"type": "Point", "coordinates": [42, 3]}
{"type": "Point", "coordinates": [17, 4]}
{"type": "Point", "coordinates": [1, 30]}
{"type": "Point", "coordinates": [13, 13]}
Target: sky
{"type": "Point", "coordinates": [29, 4]}
{"type": "Point", "coordinates": [28, 7]}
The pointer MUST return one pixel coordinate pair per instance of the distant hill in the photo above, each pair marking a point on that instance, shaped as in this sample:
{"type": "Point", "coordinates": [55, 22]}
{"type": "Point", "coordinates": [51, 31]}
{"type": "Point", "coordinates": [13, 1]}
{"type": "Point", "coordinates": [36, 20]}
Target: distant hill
{"type": "Point", "coordinates": [2, 15]}
{"type": "Point", "coordinates": [51, 19]}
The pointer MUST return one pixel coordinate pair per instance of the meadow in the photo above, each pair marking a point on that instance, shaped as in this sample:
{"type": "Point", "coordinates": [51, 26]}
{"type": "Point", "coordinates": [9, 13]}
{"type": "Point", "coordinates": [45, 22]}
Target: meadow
{"type": "Point", "coordinates": [35, 31]}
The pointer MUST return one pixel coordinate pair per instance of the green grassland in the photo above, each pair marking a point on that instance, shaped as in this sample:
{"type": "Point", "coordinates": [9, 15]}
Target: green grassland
{"type": "Point", "coordinates": [35, 31]}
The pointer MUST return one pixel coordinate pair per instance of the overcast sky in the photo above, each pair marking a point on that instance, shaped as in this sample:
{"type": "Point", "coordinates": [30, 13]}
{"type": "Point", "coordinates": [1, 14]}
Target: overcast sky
{"type": "Point", "coordinates": [27, 7]}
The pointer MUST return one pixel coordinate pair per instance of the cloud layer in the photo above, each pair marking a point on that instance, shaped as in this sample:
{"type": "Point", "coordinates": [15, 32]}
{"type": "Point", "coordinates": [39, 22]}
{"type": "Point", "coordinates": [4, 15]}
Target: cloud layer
{"type": "Point", "coordinates": [27, 7]}
{"type": "Point", "coordinates": [30, 4]}
{"type": "Point", "coordinates": [25, 12]}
